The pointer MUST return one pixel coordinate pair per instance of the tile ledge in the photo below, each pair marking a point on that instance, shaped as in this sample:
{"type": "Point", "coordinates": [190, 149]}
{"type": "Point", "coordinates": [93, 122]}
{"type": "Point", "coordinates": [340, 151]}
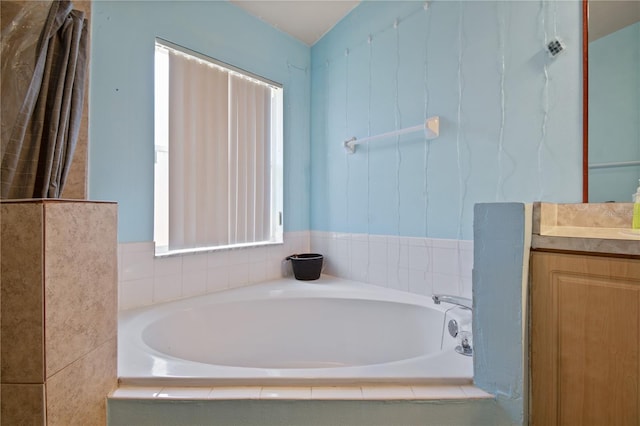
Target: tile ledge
{"type": "Point", "coordinates": [324, 393]}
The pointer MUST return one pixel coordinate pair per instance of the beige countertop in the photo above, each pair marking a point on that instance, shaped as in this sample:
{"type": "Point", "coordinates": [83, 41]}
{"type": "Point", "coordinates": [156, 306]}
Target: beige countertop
{"type": "Point", "coordinates": [587, 232]}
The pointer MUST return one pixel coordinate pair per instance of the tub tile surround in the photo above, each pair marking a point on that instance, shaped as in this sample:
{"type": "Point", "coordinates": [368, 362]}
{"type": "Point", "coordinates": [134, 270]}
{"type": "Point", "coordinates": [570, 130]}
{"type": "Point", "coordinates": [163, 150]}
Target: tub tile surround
{"type": "Point", "coordinates": [418, 265]}
{"type": "Point", "coordinates": [83, 386]}
{"type": "Point", "coordinates": [59, 307]}
{"type": "Point", "coordinates": [146, 280]}
{"type": "Point", "coordinates": [77, 234]}
{"type": "Point", "coordinates": [23, 404]}
{"type": "Point", "coordinates": [22, 301]}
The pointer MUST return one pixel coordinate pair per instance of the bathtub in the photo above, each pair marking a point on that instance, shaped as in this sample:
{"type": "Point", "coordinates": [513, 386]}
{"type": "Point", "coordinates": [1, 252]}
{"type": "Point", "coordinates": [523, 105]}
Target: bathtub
{"type": "Point", "coordinates": [329, 331]}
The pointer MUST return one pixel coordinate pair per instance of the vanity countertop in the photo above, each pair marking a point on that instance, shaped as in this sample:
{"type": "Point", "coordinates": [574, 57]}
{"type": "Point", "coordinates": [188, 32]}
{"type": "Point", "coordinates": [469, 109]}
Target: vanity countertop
{"type": "Point", "coordinates": [603, 228]}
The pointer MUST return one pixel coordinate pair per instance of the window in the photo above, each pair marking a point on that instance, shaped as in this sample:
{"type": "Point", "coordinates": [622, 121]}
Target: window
{"type": "Point", "coordinates": [218, 154]}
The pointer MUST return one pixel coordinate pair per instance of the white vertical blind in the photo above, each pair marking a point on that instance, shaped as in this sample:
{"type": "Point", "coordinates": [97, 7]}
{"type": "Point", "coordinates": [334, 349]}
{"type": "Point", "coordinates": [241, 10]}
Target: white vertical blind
{"type": "Point", "coordinates": [198, 144]}
{"type": "Point", "coordinates": [219, 131]}
{"type": "Point", "coordinates": [161, 142]}
{"type": "Point", "coordinates": [249, 147]}
{"type": "Point", "coordinates": [223, 134]}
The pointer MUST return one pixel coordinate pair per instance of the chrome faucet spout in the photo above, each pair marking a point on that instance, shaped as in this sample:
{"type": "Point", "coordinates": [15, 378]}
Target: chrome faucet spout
{"type": "Point", "coordinates": [455, 300]}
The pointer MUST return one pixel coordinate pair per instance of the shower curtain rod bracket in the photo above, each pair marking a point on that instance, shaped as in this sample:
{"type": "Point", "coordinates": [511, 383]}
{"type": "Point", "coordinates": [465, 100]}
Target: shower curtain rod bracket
{"type": "Point", "coordinates": [349, 145]}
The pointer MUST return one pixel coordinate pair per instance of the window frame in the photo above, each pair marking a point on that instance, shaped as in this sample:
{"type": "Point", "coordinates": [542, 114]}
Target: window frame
{"type": "Point", "coordinates": [276, 156]}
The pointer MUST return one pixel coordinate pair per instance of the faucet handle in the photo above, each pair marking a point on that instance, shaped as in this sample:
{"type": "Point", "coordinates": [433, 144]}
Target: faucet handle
{"type": "Point", "coordinates": [465, 338]}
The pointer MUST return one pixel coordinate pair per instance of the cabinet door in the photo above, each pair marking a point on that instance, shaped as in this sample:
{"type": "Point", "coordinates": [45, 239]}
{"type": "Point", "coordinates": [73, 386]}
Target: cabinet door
{"type": "Point", "coordinates": [585, 340]}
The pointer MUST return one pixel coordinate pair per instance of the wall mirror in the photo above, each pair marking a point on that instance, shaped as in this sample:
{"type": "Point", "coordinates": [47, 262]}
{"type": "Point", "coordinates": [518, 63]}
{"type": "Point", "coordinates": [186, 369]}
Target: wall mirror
{"type": "Point", "coordinates": [611, 120]}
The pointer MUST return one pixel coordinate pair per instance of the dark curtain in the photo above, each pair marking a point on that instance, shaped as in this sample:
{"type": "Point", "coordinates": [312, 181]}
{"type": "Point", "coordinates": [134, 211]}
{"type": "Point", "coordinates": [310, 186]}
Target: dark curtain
{"type": "Point", "coordinates": [37, 156]}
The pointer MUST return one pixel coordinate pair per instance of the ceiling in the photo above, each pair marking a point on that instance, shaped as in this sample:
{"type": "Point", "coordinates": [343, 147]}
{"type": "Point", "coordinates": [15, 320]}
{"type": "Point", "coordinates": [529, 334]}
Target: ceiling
{"type": "Point", "coordinates": [608, 16]}
{"type": "Point", "coordinates": [306, 20]}
{"type": "Point", "coordinates": [309, 20]}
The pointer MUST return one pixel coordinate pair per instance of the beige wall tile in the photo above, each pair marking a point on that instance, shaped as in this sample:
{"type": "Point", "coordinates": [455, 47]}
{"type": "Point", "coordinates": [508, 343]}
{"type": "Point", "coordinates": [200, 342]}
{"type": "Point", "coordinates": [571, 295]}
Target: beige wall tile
{"type": "Point", "coordinates": [22, 405]}
{"type": "Point", "coordinates": [22, 290]}
{"type": "Point", "coordinates": [80, 280]}
{"type": "Point", "coordinates": [547, 219]}
{"type": "Point", "coordinates": [548, 216]}
{"type": "Point", "coordinates": [605, 215]}
{"type": "Point", "coordinates": [77, 394]}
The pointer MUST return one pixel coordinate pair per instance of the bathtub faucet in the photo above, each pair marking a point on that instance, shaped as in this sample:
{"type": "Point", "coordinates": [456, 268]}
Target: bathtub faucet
{"type": "Point", "coordinates": [455, 300]}
{"type": "Point", "coordinates": [464, 336]}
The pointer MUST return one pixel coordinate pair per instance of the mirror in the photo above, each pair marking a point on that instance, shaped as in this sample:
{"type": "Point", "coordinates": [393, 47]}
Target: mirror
{"type": "Point", "coordinates": [611, 118]}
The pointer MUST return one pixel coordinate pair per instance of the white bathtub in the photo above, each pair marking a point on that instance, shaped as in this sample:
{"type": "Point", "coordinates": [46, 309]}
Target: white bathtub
{"type": "Point", "coordinates": [329, 331]}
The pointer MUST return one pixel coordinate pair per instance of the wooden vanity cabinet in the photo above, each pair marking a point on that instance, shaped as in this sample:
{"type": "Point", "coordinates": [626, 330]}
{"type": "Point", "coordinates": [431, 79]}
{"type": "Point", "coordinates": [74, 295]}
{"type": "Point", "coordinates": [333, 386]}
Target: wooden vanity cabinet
{"type": "Point", "coordinates": [584, 340]}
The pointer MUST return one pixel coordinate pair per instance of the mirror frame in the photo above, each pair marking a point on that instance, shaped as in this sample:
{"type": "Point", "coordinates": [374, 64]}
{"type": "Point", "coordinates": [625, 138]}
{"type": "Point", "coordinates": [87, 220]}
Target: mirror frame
{"type": "Point", "coordinates": [585, 101]}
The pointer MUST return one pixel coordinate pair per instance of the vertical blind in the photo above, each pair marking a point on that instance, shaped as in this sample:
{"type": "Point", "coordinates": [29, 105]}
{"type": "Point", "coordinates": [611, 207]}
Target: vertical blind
{"type": "Point", "coordinates": [219, 156]}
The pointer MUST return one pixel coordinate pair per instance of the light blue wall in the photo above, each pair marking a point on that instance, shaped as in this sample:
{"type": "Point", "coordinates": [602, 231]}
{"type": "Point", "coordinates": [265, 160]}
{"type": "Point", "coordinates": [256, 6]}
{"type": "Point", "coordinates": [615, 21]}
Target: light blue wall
{"type": "Point", "coordinates": [614, 113]}
{"type": "Point", "coordinates": [121, 96]}
{"type": "Point", "coordinates": [502, 237]}
{"type": "Point", "coordinates": [510, 115]}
